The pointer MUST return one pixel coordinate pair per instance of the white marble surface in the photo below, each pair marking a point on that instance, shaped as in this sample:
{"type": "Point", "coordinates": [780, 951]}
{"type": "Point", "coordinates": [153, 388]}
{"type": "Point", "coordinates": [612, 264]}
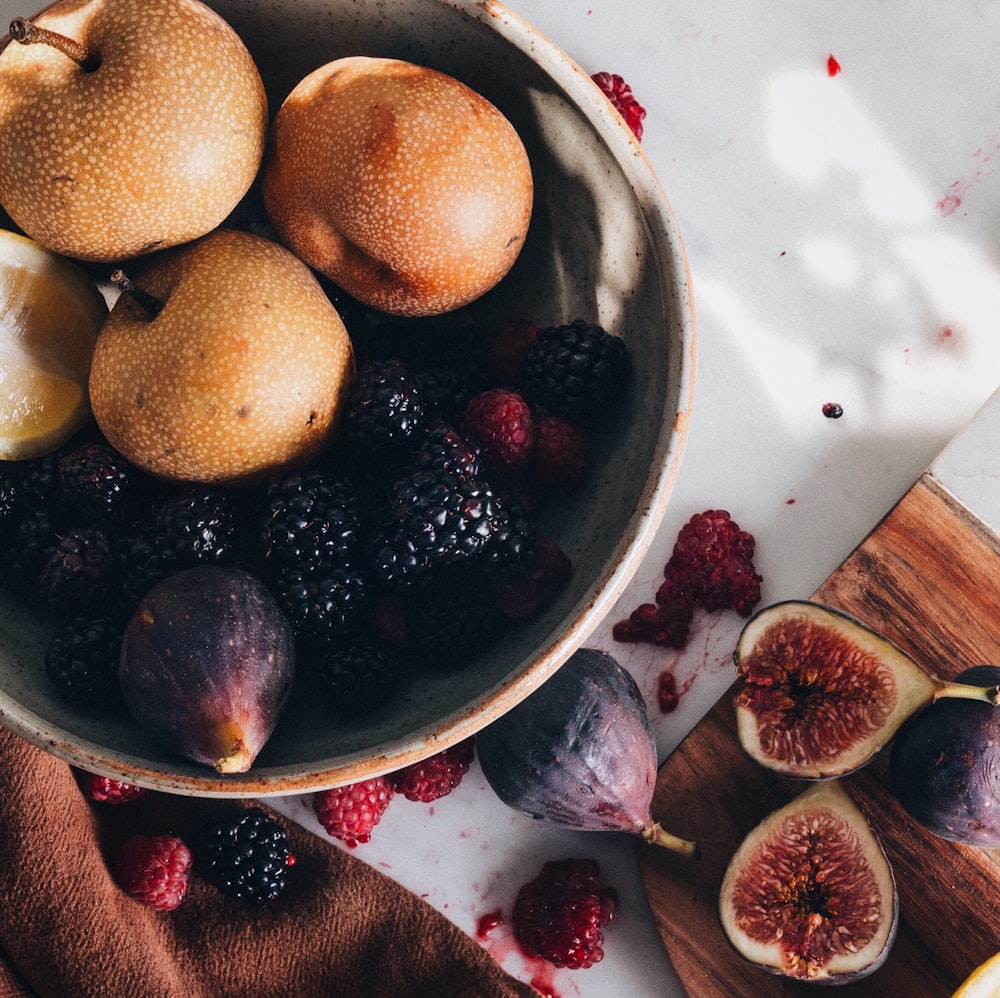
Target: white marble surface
{"type": "Point", "coordinates": [844, 241]}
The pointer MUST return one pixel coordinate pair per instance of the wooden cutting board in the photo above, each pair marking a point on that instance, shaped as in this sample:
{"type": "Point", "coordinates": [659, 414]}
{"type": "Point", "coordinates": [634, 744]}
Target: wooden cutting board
{"type": "Point", "coordinates": [927, 577]}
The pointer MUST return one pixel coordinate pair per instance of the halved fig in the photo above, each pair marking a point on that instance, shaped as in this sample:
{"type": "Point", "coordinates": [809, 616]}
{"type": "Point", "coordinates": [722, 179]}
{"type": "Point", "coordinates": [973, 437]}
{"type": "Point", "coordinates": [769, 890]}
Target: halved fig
{"type": "Point", "coordinates": [823, 693]}
{"type": "Point", "coordinates": [810, 894]}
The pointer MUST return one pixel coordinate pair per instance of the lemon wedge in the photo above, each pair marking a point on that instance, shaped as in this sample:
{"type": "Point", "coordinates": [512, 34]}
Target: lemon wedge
{"type": "Point", "coordinates": [50, 315]}
{"type": "Point", "coordinates": [983, 982]}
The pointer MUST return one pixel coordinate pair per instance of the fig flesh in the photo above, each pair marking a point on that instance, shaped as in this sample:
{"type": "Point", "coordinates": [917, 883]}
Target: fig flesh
{"type": "Point", "coordinates": [207, 664]}
{"type": "Point", "coordinates": [823, 693]}
{"type": "Point", "coordinates": [944, 767]}
{"type": "Point", "coordinates": [810, 894]}
{"type": "Point", "coordinates": [579, 752]}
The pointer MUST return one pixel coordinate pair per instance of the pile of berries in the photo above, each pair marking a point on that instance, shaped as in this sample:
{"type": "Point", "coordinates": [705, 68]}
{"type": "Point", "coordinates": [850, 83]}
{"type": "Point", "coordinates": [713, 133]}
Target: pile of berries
{"type": "Point", "coordinates": [414, 539]}
{"type": "Point", "coordinates": [711, 566]}
{"type": "Point", "coordinates": [350, 813]}
{"type": "Point", "coordinates": [244, 854]}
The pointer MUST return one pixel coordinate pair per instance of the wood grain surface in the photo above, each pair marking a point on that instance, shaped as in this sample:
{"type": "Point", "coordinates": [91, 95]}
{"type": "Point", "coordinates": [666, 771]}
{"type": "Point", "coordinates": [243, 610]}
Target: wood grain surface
{"type": "Point", "coordinates": [928, 578]}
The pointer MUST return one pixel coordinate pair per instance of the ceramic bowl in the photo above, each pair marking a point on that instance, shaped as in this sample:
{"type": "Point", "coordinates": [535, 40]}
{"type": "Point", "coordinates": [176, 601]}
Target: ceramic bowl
{"type": "Point", "coordinates": [603, 245]}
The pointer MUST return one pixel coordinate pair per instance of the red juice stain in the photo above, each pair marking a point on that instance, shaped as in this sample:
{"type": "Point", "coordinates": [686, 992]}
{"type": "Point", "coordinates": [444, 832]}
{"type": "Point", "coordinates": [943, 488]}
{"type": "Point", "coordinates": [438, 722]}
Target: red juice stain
{"type": "Point", "coordinates": [946, 337]}
{"type": "Point", "coordinates": [832, 66]}
{"type": "Point", "coordinates": [666, 692]}
{"type": "Point", "coordinates": [488, 922]}
{"type": "Point", "coordinates": [544, 984]}
{"type": "Point", "coordinates": [951, 202]}
{"type": "Point", "coordinates": [789, 502]}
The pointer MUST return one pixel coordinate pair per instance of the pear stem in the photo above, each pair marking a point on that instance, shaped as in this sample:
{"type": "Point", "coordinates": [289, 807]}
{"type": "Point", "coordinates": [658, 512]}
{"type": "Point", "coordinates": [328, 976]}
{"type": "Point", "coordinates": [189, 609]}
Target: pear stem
{"type": "Point", "coordinates": [656, 835]}
{"type": "Point", "coordinates": [26, 33]}
{"type": "Point", "coordinates": [149, 303]}
{"type": "Point", "coordinates": [967, 691]}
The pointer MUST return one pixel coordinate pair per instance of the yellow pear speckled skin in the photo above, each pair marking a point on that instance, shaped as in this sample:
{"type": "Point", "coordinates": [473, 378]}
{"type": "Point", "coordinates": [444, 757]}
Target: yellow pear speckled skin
{"type": "Point", "coordinates": [151, 149]}
{"type": "Point", "coordinates": [407, 188]}
{"type": "Point", "coordinates": [240, 376]}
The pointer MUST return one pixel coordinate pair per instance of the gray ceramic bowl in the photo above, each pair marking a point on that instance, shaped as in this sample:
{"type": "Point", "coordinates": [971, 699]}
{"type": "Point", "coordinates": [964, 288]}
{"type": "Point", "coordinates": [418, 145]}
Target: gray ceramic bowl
{"type": "Point", "coordinates": [603, 245]}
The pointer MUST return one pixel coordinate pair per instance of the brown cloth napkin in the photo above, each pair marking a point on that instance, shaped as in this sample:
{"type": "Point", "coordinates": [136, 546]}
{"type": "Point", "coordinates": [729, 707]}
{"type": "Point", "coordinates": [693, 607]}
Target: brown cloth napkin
{"type": "Point", "coordinates": [340, 928]}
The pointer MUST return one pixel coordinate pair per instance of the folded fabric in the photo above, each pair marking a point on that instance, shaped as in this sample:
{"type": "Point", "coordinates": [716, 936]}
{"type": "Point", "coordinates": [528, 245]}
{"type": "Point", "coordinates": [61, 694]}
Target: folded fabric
{"type": "Point", "coordinates": [340, 928]}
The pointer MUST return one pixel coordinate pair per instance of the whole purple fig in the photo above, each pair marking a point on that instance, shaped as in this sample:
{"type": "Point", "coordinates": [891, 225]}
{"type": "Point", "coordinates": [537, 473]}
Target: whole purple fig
{"type": "Point", "coordinates": [206, 665]}
{"type": "Point", "coordinates": [579, 752]}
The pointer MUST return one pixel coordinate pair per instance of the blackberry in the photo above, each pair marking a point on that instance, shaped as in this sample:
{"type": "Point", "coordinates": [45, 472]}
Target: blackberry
{"type": "Point", "coordinates": [360, 676]}
{"type": "Point", "coordinates": [452, 619]}
{"type": "Point", "coordinates": [82, 572]}
{"type": "Point", "coordinates": [434, 518]}
{"type": "Point", "coordinates": [39, 480]}
{"type": "Point", "coordinates": [445, 390]}
{"type": "Point", "coordinates": [511, 551]}
{"type": "Point", "coordinates": [245, 856]}
{"type": "Point", "coordinates": [27, 549]}
{"type": "Point", "coordinates": [147, 558]}
{"type": "Point", "coordinates": [82, 661]}
{"type": "Point", "coordinates": [96, 481]}
{"type": "Point", "coordinates": [576, 370]}
{"type": "Point", "coordinates": [444, 449]}
{"type": "Point", "coordinates": [10, 499]}
{"type": "Point", "coordinates": [311, 518]}
{"type": "Point", "coordinates": [203, 525]}
{"type": "Point", "coordinates": [385, 411]}
{"type": "Point", "coordinates": [322, 601]}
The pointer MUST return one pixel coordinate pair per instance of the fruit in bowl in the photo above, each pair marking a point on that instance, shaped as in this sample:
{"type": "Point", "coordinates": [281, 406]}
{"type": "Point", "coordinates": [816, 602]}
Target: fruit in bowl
{"type": "Point", "coordinates": [402, 184]}
{"type": "Point", "coordinates": [463, 662]}
{"type": "Point", "coordinates": [126, 126]}
{"type": "Point", "coordinates": [232, 365]}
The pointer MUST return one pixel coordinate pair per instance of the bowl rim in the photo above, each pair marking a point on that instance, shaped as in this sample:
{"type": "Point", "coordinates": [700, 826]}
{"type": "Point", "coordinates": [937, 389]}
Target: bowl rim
{"type": "Point", "coordinates": [604, 591]}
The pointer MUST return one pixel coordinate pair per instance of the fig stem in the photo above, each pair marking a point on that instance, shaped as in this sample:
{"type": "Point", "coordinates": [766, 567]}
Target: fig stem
{"type": "Point", "coordinates": [656, 835]}
{"type": "Point", "coordinates": [967, 691]}
{"type": "Point", "coordinates": [238, 760]}
{"type": "Point", "coordinates": [25, 33]}
{"type": "Point", "coordinates": [149, 303]}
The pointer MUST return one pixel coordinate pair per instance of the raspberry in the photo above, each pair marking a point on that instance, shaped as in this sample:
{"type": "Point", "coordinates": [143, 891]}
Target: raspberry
{"type": "Point", "coordinates": [524, 596]}
{"type": "Point", "coordinates": [245, 855]}
{"type": "Point", "coordinates": [349, 813]}
{"type": "Point", "coordinates": [437, 776]}
{"type": "Point", "coordinates": [154, 870]}
{"type": "Point", "coordinates": [562, 453]}
{"type": "Point", "coordinates": [620, 94]}
{"type": "Point", "coordinates": [498, 423]}
{"type": "Point", "coordinates": [105, 790]}
{"type": "Point", "coordinates": [712, 567]}
{"type": "Point", "coordinates": [559, 915]}
{"type": "Point", "coordinates": [507, 351]}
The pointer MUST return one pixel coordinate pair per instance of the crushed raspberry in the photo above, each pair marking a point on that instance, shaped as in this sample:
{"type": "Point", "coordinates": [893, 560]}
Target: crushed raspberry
{"type": "Point", "coordinates": [562, 452]}
{"type": "Point", "coordinates": [712, 567]}
{"type": "Point", "coordinates": [154, 870]}
{"type": "Point", "coordinates": [507, 351]}
{"type": "Point", "coordinates": [349, 813]}
{"type": "Point", "coordinates": [437, 776]}
{"type": "Point", "coordinates": [620, 94]}
{"type": "Point", "coordinates": [105, 790]}
{"type": "Point", "coordinates": [523, 597]}
{"type": "Point", "coordinates": [498, 424]}
{"type": "Point", "coordinates": [560, 914]}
